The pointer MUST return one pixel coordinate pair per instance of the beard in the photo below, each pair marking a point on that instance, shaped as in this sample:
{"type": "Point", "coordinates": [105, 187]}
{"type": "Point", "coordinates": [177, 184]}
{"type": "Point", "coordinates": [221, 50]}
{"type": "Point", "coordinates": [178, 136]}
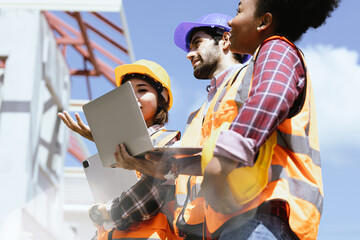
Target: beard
{"type": "Point", "coordinates": [205, 70]}
{"type": "Point", "coordinates": [207, 65]}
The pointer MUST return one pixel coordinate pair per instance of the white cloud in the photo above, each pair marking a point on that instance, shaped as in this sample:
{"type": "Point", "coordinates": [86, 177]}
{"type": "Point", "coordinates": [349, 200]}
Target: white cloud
{"type": "Point", "coordinates": [335, 74]}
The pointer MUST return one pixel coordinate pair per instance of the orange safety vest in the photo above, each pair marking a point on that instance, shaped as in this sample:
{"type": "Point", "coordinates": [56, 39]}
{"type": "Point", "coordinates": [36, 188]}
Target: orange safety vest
{"type": "Point", "coordinates": [157, 227]}
{"type": "Point", "coordinates": [295, 164]}
{"type": "Point", "coordinates": [189, 214]}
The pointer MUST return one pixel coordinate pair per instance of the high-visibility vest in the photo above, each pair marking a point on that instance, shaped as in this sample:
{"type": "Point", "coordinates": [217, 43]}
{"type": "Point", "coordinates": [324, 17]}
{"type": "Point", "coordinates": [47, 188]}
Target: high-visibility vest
{"type": "Point", "coordinates": [157, 227]}
{"type": "Point", "coordinates": [295, 165]}
{"type": "Point", "coordinates": [255, 178]}
{"type": "Point", "coordinates": [189, 214]}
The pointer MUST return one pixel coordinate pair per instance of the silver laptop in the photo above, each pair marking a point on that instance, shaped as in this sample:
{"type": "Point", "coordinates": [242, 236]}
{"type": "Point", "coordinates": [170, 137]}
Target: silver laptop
{"type": "Point", "coordinates": [116, 118]}
{"type": "Point", "coordinates": [106, 183]}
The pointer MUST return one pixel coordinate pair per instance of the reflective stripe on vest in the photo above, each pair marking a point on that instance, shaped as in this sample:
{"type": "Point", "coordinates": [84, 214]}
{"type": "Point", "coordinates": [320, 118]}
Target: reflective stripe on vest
{"type": "Point", "coordinates": [192, 132]}
{"type": "Point", "coordinates": [189, 213]}
{"type": "Point", "coordinates": [164, 137]}
{"type": "Point", "coordinates": [299, 145]}
{"type": "Point", "coordinates": [295, 166]}
{"type": "Point", "coordinates": [298, 188]}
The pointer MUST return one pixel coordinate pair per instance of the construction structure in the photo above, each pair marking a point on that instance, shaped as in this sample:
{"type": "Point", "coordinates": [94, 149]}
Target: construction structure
{"type": "Point", "coordinates": [52, 53]}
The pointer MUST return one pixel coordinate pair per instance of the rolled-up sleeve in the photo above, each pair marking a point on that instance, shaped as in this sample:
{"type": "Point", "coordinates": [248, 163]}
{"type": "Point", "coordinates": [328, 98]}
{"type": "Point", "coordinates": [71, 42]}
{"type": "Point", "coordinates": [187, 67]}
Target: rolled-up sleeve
{"type": "Point", "coordinates": [232, 145]}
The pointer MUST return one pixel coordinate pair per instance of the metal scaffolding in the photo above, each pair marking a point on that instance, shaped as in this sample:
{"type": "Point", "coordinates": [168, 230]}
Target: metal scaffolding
{"type": "Point", "coordinates": [93, 30]}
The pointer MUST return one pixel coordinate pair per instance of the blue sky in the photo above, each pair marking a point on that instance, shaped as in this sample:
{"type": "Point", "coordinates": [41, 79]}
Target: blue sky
{"type": "Point", "coordinates": [332, 54]}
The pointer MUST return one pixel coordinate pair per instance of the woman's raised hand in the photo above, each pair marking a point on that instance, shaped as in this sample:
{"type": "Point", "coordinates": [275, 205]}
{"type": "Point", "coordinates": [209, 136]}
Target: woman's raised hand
{"type": "Point", "coordinates": [77, 126]}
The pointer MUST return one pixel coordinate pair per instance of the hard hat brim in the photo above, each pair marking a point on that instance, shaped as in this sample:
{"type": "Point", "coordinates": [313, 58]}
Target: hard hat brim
{"type": "Point", "coordinates": [184, 28]}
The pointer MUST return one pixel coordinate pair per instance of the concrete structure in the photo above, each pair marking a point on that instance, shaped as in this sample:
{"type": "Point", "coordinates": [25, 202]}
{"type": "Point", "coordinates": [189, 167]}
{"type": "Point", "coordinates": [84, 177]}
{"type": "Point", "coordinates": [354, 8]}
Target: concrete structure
{"type": "Point", "coordinates": [41, 199]}
{"type": "Point", "coordinates": [36, 84]}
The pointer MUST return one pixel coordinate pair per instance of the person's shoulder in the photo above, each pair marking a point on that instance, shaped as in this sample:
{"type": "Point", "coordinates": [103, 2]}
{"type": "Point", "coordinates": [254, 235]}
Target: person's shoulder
{"type": "Point", "coordinates": [276, 44]}
{"type": "Point", "coordinates": [280, 49]}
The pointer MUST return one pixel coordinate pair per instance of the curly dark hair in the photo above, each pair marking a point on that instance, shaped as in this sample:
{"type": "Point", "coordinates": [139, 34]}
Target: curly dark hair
{"type": "Point", "coordinates": [293, 18]}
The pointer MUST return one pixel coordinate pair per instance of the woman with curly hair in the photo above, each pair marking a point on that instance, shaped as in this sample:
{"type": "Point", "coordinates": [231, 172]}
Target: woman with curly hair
{"type": "Point", "coordinates": [276, 99]}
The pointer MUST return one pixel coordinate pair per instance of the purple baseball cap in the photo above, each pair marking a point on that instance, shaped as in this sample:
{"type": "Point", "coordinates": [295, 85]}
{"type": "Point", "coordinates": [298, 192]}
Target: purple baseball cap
{"type": "Point", "coordinates": [213, 20]}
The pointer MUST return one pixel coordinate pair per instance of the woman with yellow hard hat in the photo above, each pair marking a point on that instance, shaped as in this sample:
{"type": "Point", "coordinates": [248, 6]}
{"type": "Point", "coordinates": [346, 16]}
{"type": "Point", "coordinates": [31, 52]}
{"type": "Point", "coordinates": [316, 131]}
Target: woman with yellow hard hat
{"type": "Point", "coordinates": [139, 212]}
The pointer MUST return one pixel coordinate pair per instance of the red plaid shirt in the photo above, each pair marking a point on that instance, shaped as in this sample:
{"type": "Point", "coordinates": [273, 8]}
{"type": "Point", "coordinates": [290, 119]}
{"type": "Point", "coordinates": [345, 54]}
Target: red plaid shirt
{"type": "Point", "coordinates": [279, 78]}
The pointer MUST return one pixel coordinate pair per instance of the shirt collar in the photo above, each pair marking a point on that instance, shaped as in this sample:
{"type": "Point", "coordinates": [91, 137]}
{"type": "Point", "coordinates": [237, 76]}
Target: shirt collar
{"type": "Point", "coordinates": [155, 128]}
{"type": "Point", "coordinates": [225, 74]}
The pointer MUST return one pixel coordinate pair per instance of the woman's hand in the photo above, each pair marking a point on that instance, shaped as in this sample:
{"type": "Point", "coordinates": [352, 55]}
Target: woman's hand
{"type": "Point", "coordinates": [78, 127]}
{"type": "Point", "coordinates": [215, 188]}
{"type": "Point", "coordinates": [103, 212]}
{"type": "Point", "coordinates": [153, 165]}
{"type": "Point", "coordinates": [98, 214]}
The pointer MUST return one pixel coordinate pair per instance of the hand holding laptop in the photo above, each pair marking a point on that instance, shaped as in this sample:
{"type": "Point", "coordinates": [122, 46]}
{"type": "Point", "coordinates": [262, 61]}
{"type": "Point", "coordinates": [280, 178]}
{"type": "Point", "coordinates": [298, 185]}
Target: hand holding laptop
{"type": "Point", "coordinates": [126, 125]}
{"type": "Point", "coordinates": [155, 165]}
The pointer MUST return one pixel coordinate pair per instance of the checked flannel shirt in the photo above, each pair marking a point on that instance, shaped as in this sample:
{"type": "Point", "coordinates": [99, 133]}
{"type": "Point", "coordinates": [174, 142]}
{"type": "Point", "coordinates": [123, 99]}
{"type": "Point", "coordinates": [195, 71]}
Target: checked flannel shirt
{"type": "Point", "coordinates": [141, 201]}
{"type": "Point", "coordinates": [279, 79]}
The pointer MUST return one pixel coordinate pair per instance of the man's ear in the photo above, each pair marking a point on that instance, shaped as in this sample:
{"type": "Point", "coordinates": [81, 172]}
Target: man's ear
{"type": "Point", "coordinates": [266, 21]}
{"type": "Point", "coordinates": [225, 40]}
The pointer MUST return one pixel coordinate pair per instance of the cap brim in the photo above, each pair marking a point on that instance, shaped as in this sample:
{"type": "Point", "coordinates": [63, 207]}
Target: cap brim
{"type": "Point", "coordinates": [182, 31]}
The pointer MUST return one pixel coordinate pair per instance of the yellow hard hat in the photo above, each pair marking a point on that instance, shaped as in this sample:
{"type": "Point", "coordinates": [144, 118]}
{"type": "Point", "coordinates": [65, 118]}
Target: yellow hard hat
{"type": "Point", "coordinates": [150, 68]}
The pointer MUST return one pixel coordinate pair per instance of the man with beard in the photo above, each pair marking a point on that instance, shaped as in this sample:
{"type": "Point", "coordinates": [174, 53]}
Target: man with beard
{"type": "Point", "coordinates": [207, 44]}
